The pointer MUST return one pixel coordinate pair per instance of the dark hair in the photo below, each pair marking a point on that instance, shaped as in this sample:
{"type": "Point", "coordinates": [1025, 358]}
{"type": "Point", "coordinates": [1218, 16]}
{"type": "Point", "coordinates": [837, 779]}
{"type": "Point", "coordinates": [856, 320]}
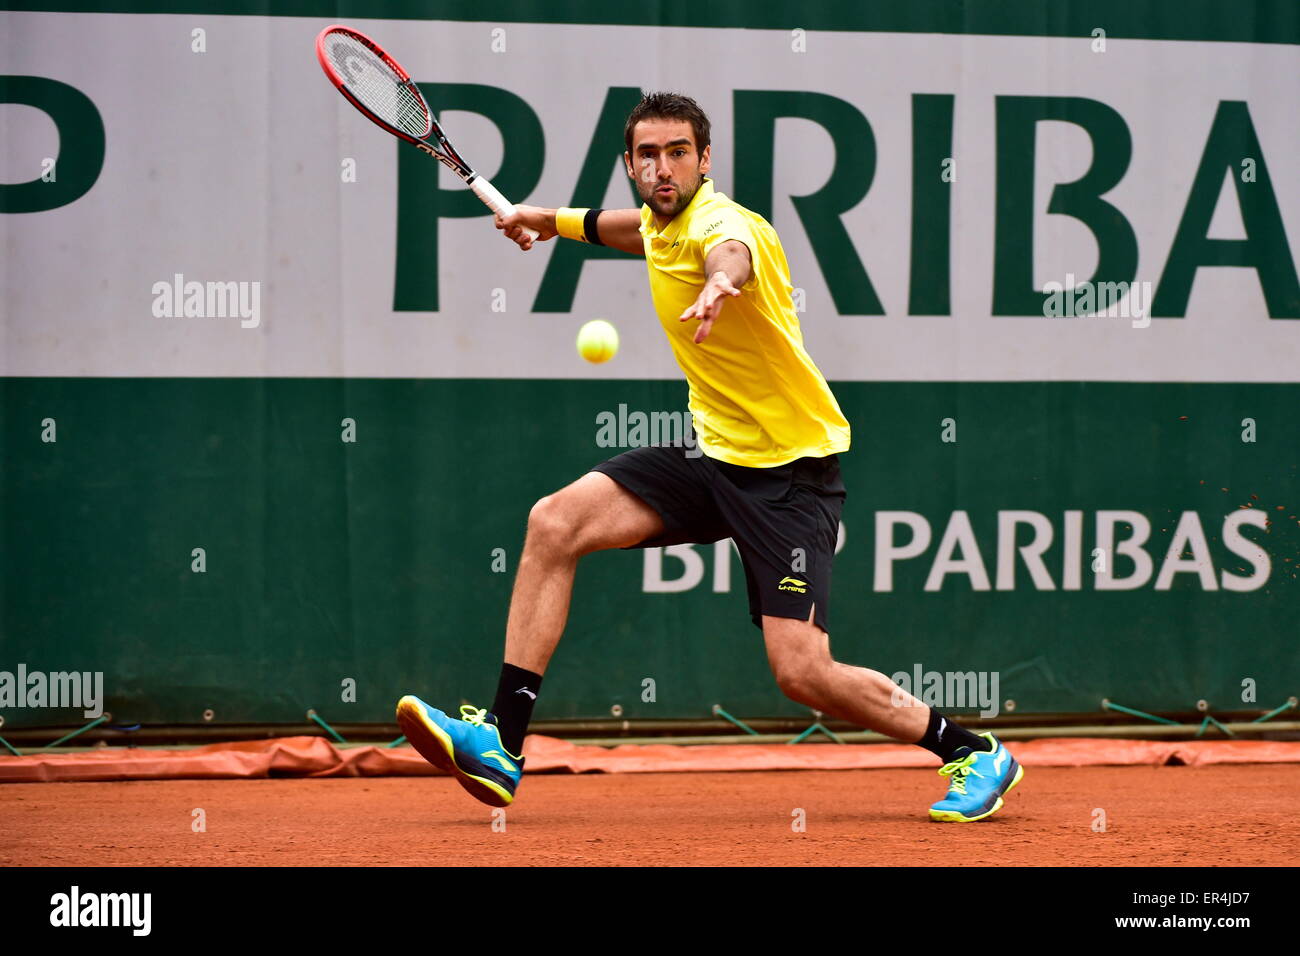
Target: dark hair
{"type": "Point", "coordinates": [669, 106]}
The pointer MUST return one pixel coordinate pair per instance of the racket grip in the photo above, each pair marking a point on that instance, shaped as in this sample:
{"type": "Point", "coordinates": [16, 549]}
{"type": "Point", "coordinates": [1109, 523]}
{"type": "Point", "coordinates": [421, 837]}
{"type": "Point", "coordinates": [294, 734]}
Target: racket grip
{"type": "Point", "coordinates": [498, 203]}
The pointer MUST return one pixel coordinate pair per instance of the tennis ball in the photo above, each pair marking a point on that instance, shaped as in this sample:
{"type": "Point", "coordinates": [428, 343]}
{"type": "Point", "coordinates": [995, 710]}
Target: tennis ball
{"type": "Point", "coordinates": [597, 341]}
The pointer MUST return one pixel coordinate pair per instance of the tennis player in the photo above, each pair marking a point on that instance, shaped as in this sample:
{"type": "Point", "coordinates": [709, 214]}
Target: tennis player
{"type": "Point", "coordinates": [770, 432]}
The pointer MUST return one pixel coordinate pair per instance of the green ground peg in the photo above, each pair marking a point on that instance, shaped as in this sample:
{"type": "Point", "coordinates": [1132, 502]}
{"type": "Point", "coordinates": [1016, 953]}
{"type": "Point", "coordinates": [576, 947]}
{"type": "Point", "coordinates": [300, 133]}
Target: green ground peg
{"type": "Point", "coordinates": [1210, 720]}
{"type": "Point", "coordinates": [717, 709]}
{"type": "Point", "coordinates": [1111, 705]}
{"type": "Point", "coordinates": [94, 723]}
{"type": "Point", "coordinates": [817, 726]}
{"type": "Point", "coordinates": [1289, 705]}
{"type": "Point", "coordinates": [332, 732]}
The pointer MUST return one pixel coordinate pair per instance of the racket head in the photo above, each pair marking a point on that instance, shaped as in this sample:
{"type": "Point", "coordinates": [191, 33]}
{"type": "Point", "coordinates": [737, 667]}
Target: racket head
{"type": "Point", "coordinates": [374, 82]}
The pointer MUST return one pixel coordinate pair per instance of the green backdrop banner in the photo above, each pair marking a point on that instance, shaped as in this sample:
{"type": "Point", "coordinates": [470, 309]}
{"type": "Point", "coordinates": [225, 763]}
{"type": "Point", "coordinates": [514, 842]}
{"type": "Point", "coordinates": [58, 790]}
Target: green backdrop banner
{"type": "Point", "coordinates": [276, 399]}
{"type": "Point", "coordinates": [375, 559]}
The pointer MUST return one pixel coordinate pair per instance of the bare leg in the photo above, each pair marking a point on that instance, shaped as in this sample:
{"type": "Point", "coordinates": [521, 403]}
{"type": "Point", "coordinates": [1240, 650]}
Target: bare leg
{"type": "Point", "coordinates": [800, 655]}
{"type": "Point", "coordinates": [595, 513]}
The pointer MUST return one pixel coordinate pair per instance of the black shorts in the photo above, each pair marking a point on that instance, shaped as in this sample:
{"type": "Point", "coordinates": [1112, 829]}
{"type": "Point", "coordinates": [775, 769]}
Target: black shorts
{"type": "Point", "coordinates": [784, 520]}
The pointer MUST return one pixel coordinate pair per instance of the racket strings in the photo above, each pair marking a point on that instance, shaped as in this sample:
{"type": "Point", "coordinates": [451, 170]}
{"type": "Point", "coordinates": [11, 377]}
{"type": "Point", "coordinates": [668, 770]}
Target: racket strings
{"type": "Point", "coordinates": [375, 85]}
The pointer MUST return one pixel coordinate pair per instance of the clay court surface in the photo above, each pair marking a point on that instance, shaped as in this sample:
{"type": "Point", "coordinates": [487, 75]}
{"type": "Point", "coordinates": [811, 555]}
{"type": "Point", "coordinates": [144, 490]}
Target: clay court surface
{"type": "Point", "coordinates": [1156, 816]}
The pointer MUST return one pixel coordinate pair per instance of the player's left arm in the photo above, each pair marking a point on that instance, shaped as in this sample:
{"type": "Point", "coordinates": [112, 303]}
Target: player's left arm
{"type": "Point", "coordinates": [728, 267]}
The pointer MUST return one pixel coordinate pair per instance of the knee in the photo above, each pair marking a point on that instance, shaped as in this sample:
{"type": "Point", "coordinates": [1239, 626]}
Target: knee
{"type": "Point", "coordinates": [550, 527]}
{"type": "Point", "coordinates": [799, 679]}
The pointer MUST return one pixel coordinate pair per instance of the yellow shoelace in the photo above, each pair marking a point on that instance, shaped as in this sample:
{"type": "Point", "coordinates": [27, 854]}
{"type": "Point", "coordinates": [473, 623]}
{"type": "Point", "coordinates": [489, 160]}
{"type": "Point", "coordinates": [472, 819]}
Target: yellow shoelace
{"type": "Point", "coordinates": [473, 714]}
{"type": "Point", "coordinates": [958, 770]}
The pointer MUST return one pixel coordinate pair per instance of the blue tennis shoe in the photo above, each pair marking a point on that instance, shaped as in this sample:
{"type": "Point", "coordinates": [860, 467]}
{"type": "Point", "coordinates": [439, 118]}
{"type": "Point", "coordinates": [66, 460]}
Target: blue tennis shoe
{"type": "Point", "coordinates": [979, 782]}
{"type": "Point", "coordinates": [469, 749]}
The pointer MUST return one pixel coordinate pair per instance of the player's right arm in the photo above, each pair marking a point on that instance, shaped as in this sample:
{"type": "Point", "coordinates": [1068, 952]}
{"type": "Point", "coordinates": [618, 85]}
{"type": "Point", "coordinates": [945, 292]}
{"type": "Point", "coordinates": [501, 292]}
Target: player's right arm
{"type": "Point", "coordinates": [618, 228]}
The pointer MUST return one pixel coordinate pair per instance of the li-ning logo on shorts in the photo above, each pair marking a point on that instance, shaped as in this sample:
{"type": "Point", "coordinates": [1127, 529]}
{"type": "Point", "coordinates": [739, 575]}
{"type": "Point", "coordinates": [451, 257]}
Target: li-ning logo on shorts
{"type": "Point", "coordinates": [792, 584]}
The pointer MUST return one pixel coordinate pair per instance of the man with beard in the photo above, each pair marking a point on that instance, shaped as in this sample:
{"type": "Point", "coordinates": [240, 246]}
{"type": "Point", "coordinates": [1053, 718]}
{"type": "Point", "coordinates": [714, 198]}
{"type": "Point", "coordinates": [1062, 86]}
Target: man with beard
{"type": "Point", "coordinates": [769, 430]}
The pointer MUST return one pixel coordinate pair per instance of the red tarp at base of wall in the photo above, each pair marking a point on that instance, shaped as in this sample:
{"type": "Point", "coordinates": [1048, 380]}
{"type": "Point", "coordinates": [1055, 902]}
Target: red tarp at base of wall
{"type": "Point", "coordinates": [318, 757]}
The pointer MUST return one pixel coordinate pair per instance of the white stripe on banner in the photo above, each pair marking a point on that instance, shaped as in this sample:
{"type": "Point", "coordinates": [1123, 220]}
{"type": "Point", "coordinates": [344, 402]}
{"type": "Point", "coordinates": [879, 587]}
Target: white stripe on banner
{"type": "Point", "coordinates": [226, 168]}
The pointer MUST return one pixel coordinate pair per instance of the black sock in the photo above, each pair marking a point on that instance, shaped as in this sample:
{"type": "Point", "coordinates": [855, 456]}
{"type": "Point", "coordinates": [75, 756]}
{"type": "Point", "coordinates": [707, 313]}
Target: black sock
{"type": "Point", "coordinates": [517, 691]}
{"type": "Point", "coordinates": [943, 737]}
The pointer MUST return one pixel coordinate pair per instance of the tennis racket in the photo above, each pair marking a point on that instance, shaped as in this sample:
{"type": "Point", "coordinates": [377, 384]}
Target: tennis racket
{"type": "Point", "coordinates": [376, 84]}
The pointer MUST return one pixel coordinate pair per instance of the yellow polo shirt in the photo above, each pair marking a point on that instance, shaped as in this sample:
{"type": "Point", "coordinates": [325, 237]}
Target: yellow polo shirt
{"type": "Point", "coordinates": [756, 396]}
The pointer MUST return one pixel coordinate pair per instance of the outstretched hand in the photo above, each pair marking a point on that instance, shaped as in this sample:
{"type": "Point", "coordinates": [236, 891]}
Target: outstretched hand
{"type": "Point", "coordinates": [708, 304]}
